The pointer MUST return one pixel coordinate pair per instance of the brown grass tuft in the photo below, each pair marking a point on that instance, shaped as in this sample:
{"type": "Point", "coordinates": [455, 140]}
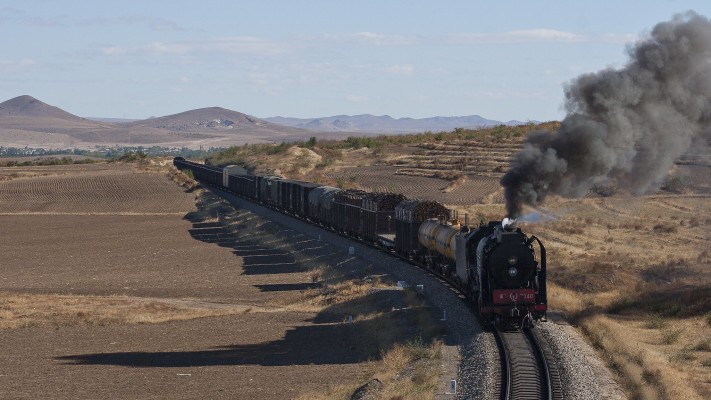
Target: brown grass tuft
{"type": "Point", "coordinates": [665, 228]}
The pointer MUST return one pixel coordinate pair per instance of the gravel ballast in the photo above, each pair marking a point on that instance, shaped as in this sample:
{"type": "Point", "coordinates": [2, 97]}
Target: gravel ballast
{"type": "Point", "coordinates": [469, 354]}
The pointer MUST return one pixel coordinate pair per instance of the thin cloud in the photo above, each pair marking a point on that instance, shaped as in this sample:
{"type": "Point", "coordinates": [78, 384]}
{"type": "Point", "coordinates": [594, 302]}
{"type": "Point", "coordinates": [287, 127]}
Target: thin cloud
{"type": "Point", "coordinates": [45, 22]}
{"type": "Point", "coordinates": [227, 45]}
{"type": "Point", "coordinates": [518, 36]}
{"type": "Point", "coordinates": [542, 35]}
{"type": "Point", "coordinates": [356, 98]}
{"type": "Point", "coordinates": [11, 66]}
{"type": "Point", "coordinates": [401, 69]}
{"type": "Point", "coordinates": [7, 14]}
{"type": "Point", "coordinates": [267, 83]}
{"type": "Point", "coordinates": [614, 38]}
{"type": "Point", "coordinates": [371, 38]}
{"type": "Point", "coordinates": [503, 95]}
{"type": "Point", "coordinates": [152, 23]}
{"type": "Point", "coordinates": [17, 16]}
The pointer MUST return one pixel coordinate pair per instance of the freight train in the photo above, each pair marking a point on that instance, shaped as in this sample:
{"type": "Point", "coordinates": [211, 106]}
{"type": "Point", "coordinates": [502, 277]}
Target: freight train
{"type": "Point", "coordinates": [493, 264]}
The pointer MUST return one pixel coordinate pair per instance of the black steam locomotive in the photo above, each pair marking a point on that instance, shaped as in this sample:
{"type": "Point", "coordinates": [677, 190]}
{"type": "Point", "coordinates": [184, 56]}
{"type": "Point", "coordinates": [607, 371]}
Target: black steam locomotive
{"type": "Point", "coordinates": [494, 264]}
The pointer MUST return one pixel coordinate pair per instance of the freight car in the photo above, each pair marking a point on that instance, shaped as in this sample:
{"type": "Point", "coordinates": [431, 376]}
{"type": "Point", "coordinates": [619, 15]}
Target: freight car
{"type": "Point", "coordinates": [493, 264]}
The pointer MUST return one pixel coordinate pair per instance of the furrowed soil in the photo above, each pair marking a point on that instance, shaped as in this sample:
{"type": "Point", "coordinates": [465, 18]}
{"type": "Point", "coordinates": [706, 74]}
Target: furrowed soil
{"type": "Point", "coordinates": [119, 283]}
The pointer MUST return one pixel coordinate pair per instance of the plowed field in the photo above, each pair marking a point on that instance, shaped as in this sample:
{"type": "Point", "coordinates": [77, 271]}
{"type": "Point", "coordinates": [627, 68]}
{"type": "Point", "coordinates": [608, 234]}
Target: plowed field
{"type": "Point", "coordinates": [91, 189]}
{"type": "Point", "coordinates": [109, 234]}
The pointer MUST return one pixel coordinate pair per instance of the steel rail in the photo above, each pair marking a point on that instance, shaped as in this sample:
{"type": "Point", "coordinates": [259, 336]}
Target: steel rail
{"type": "Point", "coordinates": [525, 373]}
{"type": "Point", "coordinates": [507, 375]}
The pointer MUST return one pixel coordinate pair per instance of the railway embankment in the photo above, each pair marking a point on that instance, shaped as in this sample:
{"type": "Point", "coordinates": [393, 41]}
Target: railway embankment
{"type": "Point", "coordinates": [469, 355]}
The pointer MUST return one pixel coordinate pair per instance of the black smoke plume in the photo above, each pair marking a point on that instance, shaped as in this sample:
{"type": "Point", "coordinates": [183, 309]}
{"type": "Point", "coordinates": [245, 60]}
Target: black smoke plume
{"type": "Point", "coordinates": [624, 127]}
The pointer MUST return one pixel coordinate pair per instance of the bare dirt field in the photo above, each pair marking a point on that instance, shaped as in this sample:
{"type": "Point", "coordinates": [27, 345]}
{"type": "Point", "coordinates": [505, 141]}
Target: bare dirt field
{"type": "Point", "coordinates": [117, 284]}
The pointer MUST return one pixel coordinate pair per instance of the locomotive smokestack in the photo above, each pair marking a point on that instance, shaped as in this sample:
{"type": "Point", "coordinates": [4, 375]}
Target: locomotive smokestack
{"type": "Point", "coordinates": [508, 224]}
{"type": "Point", "coordinates": [626, 126]}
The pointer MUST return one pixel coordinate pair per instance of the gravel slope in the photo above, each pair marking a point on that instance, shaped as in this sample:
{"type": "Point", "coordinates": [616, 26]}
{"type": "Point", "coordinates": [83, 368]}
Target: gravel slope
{"type": "Point", "coordinates": [470, 355]}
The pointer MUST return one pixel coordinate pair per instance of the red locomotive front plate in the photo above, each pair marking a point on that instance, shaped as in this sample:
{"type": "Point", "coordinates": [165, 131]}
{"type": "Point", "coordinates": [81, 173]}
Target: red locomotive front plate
{"type": "Point", "coordinates": [514, 296]}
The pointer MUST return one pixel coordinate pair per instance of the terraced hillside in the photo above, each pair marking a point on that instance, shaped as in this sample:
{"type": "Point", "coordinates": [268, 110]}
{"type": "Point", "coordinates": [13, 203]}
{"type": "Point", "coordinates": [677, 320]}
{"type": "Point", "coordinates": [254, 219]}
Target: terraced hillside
{"type": "Point", "coordinates": [479, 157]}
{"type": "Point", "coordinates": [472, 189]}
{"type": "Point", "coordinates": [457, 168]}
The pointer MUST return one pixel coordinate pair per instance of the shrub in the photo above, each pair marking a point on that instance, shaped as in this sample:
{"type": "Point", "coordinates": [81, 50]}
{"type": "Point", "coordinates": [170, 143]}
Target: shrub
{"type": "Point", "coordinates": [684, 354]}
{"type": "Point", "coordinates": [418, 349]}
{"type": "Point", "coordinates": [704, 345]}
{"type": "Point", "coordinates": [278, 149]}
{"type": "Point", "coordinates": [674, 184]}
{"type": "Point", "coordinates": [621, 304]}
{"type": "Point", "coordinates": [665, 228]}
{"type": "Point", "coordinates": [188, 173]}
{"type": "Point", "coordinates": [132, 156]}
{"type": "Point", "coordinates": [656, 322]}
{"type": "Point", "coordinates": [310, 143]}
{"type": "Point", "coordinates": [651, 376]}
{"type": "Point", "coordinates": [671, 336]}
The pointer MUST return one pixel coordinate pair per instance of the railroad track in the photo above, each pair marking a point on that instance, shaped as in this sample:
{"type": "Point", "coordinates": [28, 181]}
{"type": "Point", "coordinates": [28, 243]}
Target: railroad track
{"type": "Point", "coordinates": [525, 370]}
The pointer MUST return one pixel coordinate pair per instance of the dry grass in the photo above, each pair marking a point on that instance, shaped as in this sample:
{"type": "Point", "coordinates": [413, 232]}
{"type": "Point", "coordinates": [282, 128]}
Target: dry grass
{"type": "Point", "coordinates": [34, 310]}
{"type": "Point", "coordinates": [655, 364]}
{"type": "Point", "coordinates": [633, 274]}
{"type": "Point", "coordinates": [404, 372]}
{"type": "Point", "coordinates": [407, 371]}
{"type": "Point", "coordinates": [406, 355]}
{"type": "Point", "coordinates": [182, 178]}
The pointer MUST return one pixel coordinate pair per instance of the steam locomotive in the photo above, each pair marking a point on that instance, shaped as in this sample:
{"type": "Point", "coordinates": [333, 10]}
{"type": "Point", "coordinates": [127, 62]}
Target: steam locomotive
{"type": "Point", "coordinates": [493, 264]}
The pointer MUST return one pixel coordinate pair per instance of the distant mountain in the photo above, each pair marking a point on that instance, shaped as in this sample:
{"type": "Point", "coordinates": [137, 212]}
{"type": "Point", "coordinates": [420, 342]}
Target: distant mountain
{"type": "Point", "coordinates": [28, 106]}
{"type": "Point", "coordinates": [112, 120]}
{"type": "Point", "coordinates": [367, 123]}
{"type": "Point", "coordinates": [28, 122]}
{"type": "Point", "coordinates": [26, 112]}
{"type": "Point", "coordinates": [212, 119]}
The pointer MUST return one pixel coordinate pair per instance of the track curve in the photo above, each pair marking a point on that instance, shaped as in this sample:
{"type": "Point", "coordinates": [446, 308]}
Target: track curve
{"type": "Point", "coordinates": [525, 373]}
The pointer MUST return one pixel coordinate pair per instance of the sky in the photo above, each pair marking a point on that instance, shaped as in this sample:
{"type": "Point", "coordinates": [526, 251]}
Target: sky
{"type": "Point", "coordinates": [135, 59]}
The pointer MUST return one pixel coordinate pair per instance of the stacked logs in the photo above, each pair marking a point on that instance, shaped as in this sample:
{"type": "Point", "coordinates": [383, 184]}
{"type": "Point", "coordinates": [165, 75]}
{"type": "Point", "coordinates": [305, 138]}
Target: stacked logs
{"type": "Point", "coordinates": [420, 210]}
{"type": "Point", "coordinates": [382, 201]}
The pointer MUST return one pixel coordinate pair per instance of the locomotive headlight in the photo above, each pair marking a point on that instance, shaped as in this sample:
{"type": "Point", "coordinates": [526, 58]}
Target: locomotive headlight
{"type": "Point", "coordinates": [513, 271]}
{"type": "Point", "coordinates": [513, 260]}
